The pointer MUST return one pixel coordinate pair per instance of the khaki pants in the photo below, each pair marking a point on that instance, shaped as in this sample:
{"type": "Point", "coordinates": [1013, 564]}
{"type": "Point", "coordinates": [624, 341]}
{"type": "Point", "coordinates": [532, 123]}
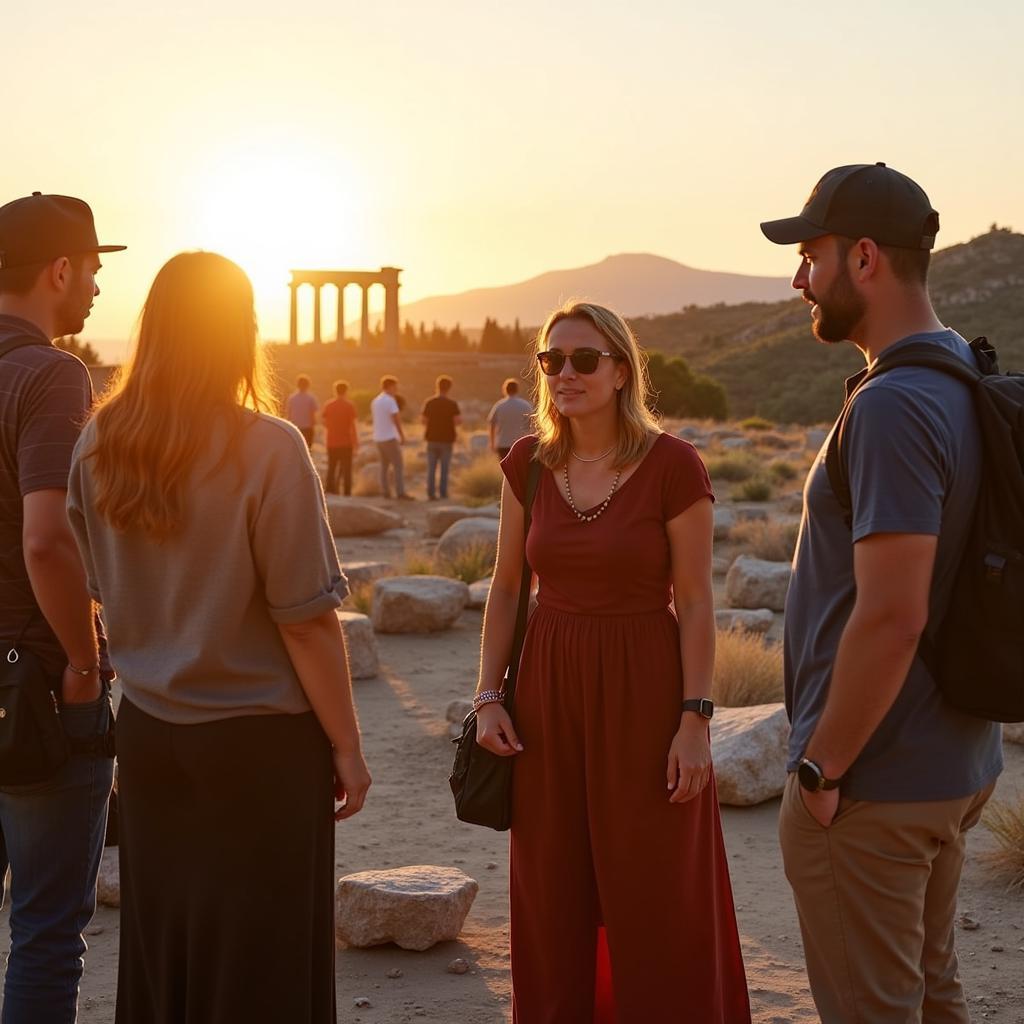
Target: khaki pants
{"type": "Point", "coordinates": [876, 896]}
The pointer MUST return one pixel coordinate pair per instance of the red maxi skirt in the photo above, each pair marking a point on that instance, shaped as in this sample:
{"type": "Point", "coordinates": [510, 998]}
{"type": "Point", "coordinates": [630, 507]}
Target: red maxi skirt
{"type": "Point", "coordinates": [621, 906]}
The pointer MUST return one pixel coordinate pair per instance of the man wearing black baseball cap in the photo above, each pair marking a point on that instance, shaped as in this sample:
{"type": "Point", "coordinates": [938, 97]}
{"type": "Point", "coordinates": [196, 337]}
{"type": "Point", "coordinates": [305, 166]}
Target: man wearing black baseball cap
{"type": "Point", "coordinates": [53, 830]}
{"type": "Point", "coordinates": [885, 776]}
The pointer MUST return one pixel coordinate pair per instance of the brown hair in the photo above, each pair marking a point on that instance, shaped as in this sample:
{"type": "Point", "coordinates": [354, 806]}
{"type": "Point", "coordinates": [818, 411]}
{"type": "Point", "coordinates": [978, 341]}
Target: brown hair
{"type": "Point", "coordinates": [443, 383]}
{"type": "Point", "coordinates": [386, 381]}
{"type": "Point", "coordinates": [511, 386]}
{"type": "Point", "coordinates": [340, 387]}
{"type": "Point", "coordinates": [196, 362]}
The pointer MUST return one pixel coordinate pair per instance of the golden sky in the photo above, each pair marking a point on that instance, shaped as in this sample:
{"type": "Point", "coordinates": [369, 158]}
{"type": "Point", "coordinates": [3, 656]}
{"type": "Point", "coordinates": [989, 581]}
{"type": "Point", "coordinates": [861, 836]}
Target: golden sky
{"type": "Point", "coordinates": [480, 143]}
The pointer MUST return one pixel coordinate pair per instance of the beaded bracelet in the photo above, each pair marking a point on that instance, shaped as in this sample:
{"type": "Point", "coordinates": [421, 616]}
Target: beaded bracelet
{"type": "Point", "coordinates": [487, 697]}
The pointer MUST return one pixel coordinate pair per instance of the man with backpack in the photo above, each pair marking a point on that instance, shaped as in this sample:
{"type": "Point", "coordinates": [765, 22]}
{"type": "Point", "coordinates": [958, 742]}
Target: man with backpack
{"type": "Point", "coordinates": [56, 764]}
{"type": "Point", "coordinates": [886, 774]}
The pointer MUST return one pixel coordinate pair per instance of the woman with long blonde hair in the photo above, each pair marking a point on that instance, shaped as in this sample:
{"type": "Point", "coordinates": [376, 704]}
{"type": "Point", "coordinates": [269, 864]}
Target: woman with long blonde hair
{"type": "Point", "coordinates": [621, 904]}
{"type": "Point", "coordinates": [203, 530]}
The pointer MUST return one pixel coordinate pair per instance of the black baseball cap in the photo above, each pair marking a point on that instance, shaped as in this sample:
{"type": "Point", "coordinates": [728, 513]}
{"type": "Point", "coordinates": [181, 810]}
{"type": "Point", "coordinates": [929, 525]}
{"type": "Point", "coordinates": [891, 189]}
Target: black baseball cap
{"type": "Point", "coordinates": [862, 201]}
{"type": "Point", "coordinates": [38, 228]}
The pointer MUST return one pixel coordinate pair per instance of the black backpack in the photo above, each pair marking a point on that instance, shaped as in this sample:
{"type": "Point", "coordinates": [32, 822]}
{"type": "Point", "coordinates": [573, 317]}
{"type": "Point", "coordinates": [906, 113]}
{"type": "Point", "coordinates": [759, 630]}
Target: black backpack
{"type": "Point", "coordinates": [976, 654]}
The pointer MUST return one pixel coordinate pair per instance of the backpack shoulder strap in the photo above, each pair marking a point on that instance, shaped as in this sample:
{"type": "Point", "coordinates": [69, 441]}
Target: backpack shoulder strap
{"type": "Point", "coordinates": [922, 354]}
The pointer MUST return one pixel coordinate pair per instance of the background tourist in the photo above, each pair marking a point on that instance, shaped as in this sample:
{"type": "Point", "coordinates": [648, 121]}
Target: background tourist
{"type": "Point", "coordinates": [441, 415]}
{"type": "Point", "coordinates": [509, 418]}
{"type": "Point", "coordinates": [339, 416]}
{"type": "Point", "coordinates": [301, 408]}
{"type": "Point", "coordinates": [202, 526]}
{"type": "Point", "coordinates": [389, 436]}
{"type": "Point", "coordinates": [620, 892]}
{"type": "Point", "coordinates": [51, 831]}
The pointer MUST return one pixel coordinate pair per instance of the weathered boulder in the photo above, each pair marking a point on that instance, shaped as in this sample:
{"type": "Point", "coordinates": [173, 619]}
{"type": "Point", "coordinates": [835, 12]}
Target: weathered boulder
{"type": "Point", "coordinates": [747, 510]}
{"type": "Point", "coordinates": [755, 583]}
{"type": "Point", "coordinates": [720, 565]}
{"type": "Point", "coordinates": [737, 443]}
{"type": "Point", "coordinates": [440, 517]}
{"type": "Point", "coordinates": [363, 662]}
{"type": "Point", "coordinates": [350, 517]}
{"type": "Point", "coordinates": [1013, 732]}
{"type": "Point", "coordinates": [748, 746]}
{"type": "Point", "coordinates": [414, 907]}
{"type": "Point", "coordinates": [368, 478]}
{"type": "Point", "coordinates": [814, 439]}
{"type": "Point", "coordinates": [725, 520]}
{"type": "Point", "coordinates": [480, 443]}
{"type": "Point", "coordinates": [468, 534]}
{"type": "Point", "coordinates": [417, 604]}
{"type": "Point", "coordinates": [694, 435]}
{"type": "Point", "coordinates": [359, 573]}
{"type": "Point", "coordinates": [108, 882]}
{"type": "Point", "coordinates": [478, 593]}
{"type": "Point", "coordinates": [754, 620]}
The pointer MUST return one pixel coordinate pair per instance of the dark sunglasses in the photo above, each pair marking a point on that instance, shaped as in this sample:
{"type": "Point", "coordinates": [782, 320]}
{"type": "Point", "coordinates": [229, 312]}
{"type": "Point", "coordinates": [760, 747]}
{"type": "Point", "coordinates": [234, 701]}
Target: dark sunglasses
{"type": "Point", "coordinates": [584, 360]}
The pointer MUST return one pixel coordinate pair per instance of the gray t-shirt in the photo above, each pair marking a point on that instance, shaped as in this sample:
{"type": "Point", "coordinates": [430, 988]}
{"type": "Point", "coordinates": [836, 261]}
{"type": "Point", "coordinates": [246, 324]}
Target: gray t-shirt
{"type": "Point", "coordinates": [913, 455]}
{"type": "Point", "coordinates": [193, 621]}
{"type": "Point", "coordinates": [301, 409]}
{"type": "Point", "coordinates": [511, 418]}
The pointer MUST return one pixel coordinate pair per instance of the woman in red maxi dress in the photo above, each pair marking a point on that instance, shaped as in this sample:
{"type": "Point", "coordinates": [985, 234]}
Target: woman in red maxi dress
{"type": "Point", "coordinates": [621, 906]}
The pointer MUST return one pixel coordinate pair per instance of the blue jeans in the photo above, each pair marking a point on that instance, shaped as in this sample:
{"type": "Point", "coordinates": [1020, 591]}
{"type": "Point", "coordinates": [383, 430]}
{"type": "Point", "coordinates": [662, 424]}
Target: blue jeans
{"type": "Point", "coordinates": [52, 838]}
{"type": "Point", "coordinates": [390, 453]}
{"type": "Point", "coordinates": [438, 452]}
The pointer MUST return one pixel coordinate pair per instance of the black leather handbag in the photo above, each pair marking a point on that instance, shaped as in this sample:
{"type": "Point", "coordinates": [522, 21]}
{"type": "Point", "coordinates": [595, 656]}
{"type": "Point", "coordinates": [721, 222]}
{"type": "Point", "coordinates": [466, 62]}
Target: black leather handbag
{"type": "Point", "coordinates": [481, 781]}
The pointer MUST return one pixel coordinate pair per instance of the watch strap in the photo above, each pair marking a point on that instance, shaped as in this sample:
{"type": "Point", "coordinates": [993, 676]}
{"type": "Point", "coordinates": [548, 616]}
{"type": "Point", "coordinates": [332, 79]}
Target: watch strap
{"type": "Point", "coordinates": [704, 706]}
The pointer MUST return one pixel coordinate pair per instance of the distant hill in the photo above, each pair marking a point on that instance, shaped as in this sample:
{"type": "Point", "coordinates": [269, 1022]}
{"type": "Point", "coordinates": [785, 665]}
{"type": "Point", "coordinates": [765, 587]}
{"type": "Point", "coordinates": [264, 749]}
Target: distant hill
{"type": "Point", "coordinates": [636, 284]}
{"type": "Point", "coordinates": [771, 365]}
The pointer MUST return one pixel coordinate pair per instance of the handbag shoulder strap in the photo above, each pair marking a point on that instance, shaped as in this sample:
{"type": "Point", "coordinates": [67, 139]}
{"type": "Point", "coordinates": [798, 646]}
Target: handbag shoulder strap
{"type": "Point", "coordinates": [532, 480]}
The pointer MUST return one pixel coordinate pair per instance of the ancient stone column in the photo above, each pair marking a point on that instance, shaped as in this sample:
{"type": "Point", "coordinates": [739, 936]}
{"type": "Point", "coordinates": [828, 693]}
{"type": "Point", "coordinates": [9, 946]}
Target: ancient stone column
{"type": "Point", "coordinates": [316, 314]}
{"type": "Point", "coordinates": [341, 310]}
{"type": "Point", "coordinates": [364, 334]}
{"type": "Point", "coordinates": [389, 277]}
{"type": "Point", "coordinates": [293, 322]}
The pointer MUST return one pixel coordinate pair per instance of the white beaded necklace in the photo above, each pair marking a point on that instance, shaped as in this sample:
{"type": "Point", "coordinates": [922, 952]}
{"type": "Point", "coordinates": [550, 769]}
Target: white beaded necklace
{"type": "Point", "coordinates": [604, 504]}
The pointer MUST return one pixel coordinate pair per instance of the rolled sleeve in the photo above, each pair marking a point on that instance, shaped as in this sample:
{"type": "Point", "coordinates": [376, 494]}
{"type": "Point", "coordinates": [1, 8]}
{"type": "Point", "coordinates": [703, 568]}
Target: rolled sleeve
{"type": "Point", "coordinates": [295, 555]}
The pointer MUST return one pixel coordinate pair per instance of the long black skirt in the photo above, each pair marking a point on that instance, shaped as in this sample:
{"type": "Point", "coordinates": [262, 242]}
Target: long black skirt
{"type": "Point", "coordinates": [227, 871]}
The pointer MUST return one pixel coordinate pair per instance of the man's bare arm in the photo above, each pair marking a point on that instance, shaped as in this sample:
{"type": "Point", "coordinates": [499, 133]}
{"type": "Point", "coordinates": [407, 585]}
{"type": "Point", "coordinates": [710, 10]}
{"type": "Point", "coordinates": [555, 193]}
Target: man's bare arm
{"type": "Point", "coordinates": [893, 572]}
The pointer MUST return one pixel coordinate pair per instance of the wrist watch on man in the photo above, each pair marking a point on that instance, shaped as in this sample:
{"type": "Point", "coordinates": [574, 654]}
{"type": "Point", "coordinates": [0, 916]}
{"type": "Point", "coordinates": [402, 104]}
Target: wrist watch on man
{"type": "Point", "coordinates": [812, 778]}
{"type": "Point", "coordinates": [704, 706]}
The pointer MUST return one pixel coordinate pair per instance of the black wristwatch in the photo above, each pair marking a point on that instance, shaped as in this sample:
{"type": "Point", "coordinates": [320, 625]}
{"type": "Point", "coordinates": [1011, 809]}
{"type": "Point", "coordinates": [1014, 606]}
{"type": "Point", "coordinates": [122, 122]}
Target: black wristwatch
{"type": "Point", "coordinates": [812, 778]}
{"type": "Point", "coordinates": [702, 705]}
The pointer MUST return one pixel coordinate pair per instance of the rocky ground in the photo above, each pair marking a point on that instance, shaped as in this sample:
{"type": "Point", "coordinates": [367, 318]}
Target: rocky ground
{"type": "Point", "coordinates": [408, 820]}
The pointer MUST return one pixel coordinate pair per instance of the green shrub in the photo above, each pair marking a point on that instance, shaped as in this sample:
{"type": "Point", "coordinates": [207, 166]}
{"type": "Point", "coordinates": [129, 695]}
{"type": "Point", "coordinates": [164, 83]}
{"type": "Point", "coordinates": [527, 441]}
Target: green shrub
{"type": "Point", "coordinates": [757, 488]}
{"type": "Point", "coordinates": [733, 467]}
{"type": "Point", "coordinates": [756, 423]}
{"type": "Point", "coordinates": [783, 470]}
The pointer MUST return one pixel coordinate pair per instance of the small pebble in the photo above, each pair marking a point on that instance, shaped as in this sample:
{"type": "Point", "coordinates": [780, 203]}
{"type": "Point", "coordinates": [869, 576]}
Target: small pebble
{"type": "Point", "coordinates": [395, 972]}
{"type": "Point", "coordinates": [491, 865]}
{"type": "Point", "coordinates": [458, 966]}
{"type": "Point", "coordinates": [968, 923]}
{"type": "Point", "coordinates": [997, 949]}
{"type": "Point", "coordinates": [96, 929]}
{"type": "Point", "coordinates": [361, 1002]}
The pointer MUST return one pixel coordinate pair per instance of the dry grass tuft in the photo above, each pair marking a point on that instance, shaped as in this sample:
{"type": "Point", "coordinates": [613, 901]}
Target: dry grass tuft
{"type": "Point", "coordinates": [417, 562]}
{"type": "Point", "coordinates": [1005, 820]}
{"type": "Point", "coordinates": [756, 423]}
{"type": "Point", "coordinates": [473, 562]}
{"type": "Point", "coordinates": [757, 488]}
{"type": "Point", "coordinates": [480, 482]}
{"type": "Point", "coordinates": [360, 598]}
{"type": "Point", "coordinates": [782, 470]}
{"type": "Point", "coordinates": [765, 538]}
{"type": "Point", "coordinates": [748, 670]}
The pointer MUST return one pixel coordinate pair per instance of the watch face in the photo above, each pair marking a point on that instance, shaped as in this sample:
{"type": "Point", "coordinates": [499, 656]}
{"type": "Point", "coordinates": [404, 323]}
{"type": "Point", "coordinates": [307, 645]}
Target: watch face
{"type": "Point", "coordinates": [809, 776]}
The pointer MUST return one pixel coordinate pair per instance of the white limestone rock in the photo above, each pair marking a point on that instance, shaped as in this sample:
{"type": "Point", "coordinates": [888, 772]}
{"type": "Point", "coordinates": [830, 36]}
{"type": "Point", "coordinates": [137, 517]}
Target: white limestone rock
{"type": "Point", "coordinates": [725, 520]}
{"type": "Point", "coordinates": [755, 583]}
{"type": "Point", "coordinates": [480, 443]}
{"type": "Point", "coordinates": [814, 439]}
{"type": "Point", "coordinates": [737, 443]}
{"type": "Point", "coordinates": [478, 593]}
{"type": "Point", "coordinates": [363, 660]}
{"type": "Point", "coordinates": [417, 604]}
{"type": "Point", "coordinates": [748, 746]}
{"type": "Point", "coordinates": [351, 517]}
{"type": "Point", "coordinates": [753, 620]}
{"type": "Point", "coordinates": [414, 907]}
{"type": "Point", "coordinates": [108, 882]}
{"type": "Point", "coordinates": [467, 534]}
{"type": "Point", "coordinates": [359, 573]}
{"type": "Point", "coordinates": [440, 517]}
{"type": "Point", "coordinates": [1013, 732]}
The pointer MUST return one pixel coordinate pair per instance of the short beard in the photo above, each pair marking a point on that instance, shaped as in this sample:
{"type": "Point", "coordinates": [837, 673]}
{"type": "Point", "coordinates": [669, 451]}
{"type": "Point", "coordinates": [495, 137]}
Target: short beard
{"type": "Point", "coordinates": [70, 317]}
{"type": "Point", "coordinates": [840, 310]}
